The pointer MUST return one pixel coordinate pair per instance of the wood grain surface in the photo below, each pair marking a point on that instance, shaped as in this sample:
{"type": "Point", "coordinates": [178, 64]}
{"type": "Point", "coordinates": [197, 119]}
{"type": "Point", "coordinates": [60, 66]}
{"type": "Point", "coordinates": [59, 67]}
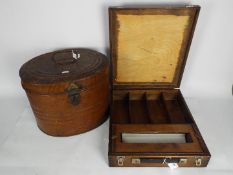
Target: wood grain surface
{"type": "Point", "coordinates": [149, 49]}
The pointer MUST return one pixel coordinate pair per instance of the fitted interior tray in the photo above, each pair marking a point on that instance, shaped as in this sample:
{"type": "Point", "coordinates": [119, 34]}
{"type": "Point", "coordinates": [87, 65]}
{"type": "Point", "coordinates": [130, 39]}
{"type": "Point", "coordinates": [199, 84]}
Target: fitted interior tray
{"type": "Point", "coordinates": [155, 121]}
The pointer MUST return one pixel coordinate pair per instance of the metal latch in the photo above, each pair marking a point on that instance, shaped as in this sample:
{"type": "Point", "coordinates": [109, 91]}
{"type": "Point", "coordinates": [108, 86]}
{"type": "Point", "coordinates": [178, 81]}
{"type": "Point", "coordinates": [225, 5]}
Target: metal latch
{"type": "Point", "coordinates": [183, 161]}
{"type": "Point", "coordinates": [120, 160]}
{"type": "Point", "coordinates": [73, 92]}
{"type": "Point", "coordinates": [136, 161]}
{"type": "Point", "coordinates": [198, 161]}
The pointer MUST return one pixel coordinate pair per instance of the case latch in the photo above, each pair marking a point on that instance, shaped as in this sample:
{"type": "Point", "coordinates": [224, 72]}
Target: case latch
{"type": "Point", "coordinates": [74, 93]}
{"type": "Point", "coordinates": [198, 161]}
{"type": "Point", "coordinates": [120, 160]}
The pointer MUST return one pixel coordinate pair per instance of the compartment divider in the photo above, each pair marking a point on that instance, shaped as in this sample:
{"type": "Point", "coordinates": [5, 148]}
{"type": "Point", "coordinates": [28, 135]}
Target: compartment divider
{"type": "Point", "coordinates": [127, 107]}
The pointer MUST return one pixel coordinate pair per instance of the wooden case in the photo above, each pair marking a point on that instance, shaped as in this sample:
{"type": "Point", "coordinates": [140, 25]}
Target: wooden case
{"type": "Point", "coordinates": [68, 90]}
{"type": "Point", "coordinates": [150, 123]}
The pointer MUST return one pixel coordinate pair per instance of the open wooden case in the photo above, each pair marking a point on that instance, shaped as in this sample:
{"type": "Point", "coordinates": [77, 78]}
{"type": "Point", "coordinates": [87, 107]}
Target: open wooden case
{"type": "Point", "coordinates": [150, 123]}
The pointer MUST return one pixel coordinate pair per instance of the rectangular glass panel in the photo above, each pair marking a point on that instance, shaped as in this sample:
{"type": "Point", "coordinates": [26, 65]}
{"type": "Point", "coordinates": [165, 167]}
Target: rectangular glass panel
{"type": "Point", "coordinates": [153, 138]}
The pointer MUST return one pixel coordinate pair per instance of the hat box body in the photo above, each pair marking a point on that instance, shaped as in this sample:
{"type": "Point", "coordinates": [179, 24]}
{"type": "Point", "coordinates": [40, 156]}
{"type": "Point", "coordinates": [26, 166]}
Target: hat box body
{"type": "Point", "coordinates": [68, 90]}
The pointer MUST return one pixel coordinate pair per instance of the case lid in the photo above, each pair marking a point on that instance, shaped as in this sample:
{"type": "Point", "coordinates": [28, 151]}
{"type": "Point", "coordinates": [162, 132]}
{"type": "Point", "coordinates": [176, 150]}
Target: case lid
{"type": "Point", "coordinates": [149, 46]}
{"type": "Point", "coordinates": [63, 65]}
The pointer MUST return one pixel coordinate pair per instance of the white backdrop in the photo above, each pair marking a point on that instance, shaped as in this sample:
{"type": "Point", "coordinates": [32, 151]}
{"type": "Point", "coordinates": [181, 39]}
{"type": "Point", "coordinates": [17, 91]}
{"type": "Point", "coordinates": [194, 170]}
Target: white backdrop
{"type": "Point", "coordinates": [32, 27]}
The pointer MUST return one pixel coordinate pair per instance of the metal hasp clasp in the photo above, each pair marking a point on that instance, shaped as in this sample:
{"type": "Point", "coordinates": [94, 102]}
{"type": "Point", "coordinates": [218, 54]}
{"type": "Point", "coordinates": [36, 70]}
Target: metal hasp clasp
{"type": "Point", "coordinates": [136, 161]}
{"type": "Point", "coordinates": [120, 160]}
{"type": "Point", "coordinates": [198, 161]}
{"type": "Point", "coordinates": [74, 93]}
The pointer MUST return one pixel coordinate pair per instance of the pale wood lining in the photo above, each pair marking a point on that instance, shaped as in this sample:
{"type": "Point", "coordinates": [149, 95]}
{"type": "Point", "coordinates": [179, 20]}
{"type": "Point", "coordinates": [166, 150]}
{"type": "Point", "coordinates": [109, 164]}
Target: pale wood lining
{"type": "Point", "coordinates": [149, 46]}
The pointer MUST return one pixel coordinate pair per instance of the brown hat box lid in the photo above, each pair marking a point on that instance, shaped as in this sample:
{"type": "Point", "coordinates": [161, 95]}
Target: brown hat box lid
{"type": "Point", "coordinates": [62, 65]}
{"type": "Point", "coordinates": [149, 46]}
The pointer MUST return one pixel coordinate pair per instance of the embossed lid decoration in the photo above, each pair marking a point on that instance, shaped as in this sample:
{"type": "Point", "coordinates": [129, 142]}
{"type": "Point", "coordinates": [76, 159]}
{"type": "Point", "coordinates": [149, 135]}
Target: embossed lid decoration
{"type": "Point", "coordinates": [149, 46]}
{"type": "Point", "coordinates": [64, 65]}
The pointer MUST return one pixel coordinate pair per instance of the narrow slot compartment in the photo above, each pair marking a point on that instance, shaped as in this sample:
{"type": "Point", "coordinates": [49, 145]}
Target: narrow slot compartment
{"type": "Point", "coordinates": [120, 110]}
{"type": "Point", "coordinates": [156, 109]}
{"type": "Point", "coordinates": [156, 138]}
{"type": "Point", "coordinates": [184, 109]}
{"type": "Point", "coordinates": [173, 108]}
{"type": "Point", "coordinates": [137, 109]}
